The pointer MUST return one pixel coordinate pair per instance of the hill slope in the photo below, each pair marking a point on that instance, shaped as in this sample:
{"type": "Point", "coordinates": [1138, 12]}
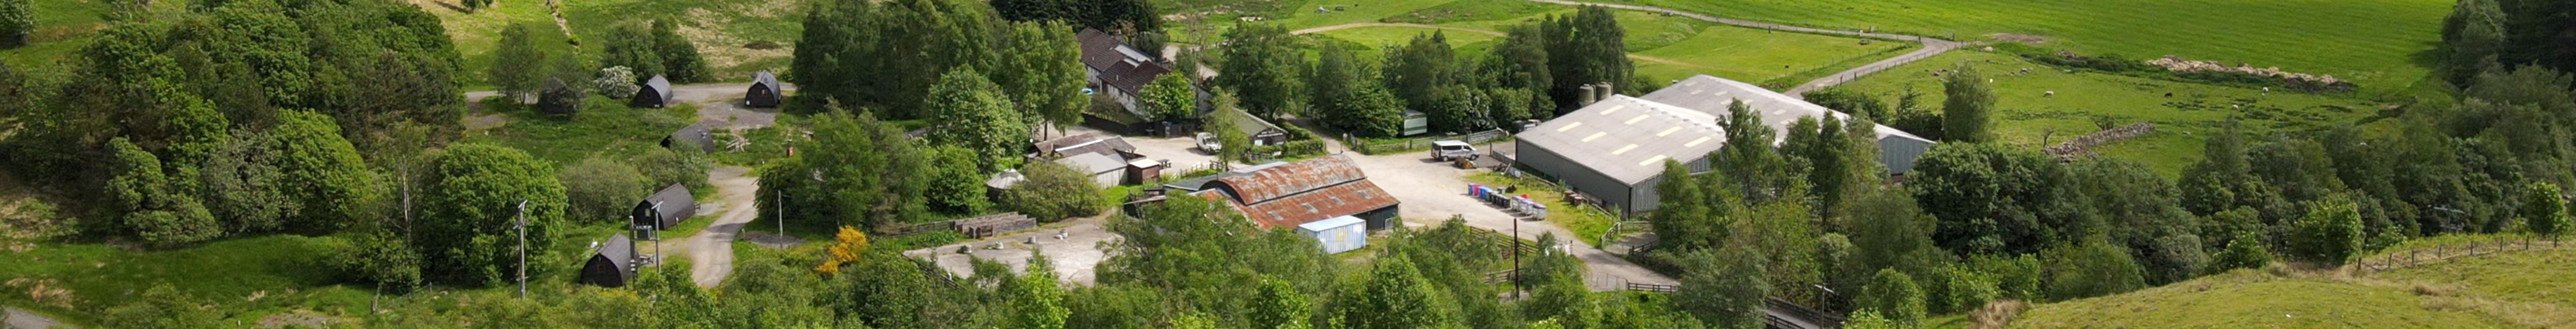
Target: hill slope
{"type": "Point", "coordinates": [2513, 289]}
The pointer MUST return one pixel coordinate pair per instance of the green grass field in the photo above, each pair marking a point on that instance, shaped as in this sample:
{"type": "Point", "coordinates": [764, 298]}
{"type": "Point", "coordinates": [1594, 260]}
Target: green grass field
{"type": "Point", "coordinates": [2025, 116]}
{"type": "Point", "coordinates": [605, 128]}
{"type": "Point", "coordinates": [2371, 42]}
{"type": "Point", "coordinates": [1666, 47]}
{"type": "Point", "coordinates": [1750, 55]}
{"type": "Point", "coordinates": [720, 28]}
{"type": "Point", "coordinates": [2514, 289]}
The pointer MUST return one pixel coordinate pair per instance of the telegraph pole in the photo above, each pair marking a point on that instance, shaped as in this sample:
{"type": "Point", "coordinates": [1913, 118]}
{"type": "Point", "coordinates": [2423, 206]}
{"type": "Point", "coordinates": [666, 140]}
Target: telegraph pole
{"type": "Point", "coordinates": [521, 221]}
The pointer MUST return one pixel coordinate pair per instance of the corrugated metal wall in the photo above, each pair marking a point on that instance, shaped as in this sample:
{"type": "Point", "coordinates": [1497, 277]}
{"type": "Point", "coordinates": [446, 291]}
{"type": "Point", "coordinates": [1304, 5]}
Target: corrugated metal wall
{"type": "Point", "coordinates": [1580, 178]}
{"type": "Point", "coordinates": [1898, 154]}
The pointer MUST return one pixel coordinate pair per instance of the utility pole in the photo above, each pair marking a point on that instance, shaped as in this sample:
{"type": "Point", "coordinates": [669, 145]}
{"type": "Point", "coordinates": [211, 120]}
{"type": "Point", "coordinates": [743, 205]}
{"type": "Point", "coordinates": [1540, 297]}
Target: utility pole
{"type": "Point", "coordinates": [1516, 258]}
{"type": "Point", "coordinates": [521, 222]}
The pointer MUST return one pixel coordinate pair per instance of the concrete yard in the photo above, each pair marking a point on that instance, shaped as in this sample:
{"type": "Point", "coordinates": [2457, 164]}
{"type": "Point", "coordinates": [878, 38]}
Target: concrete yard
{"type": "Point", "coordinates": [1073, 257]}
{"type": "Point", "coordinates": [1433, 191]}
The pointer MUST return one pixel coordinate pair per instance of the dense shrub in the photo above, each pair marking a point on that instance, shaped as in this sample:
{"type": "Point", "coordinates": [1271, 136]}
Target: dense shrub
{"type": "Point", "coordinates": [2246, 251]}
{"type": "Point", "coordinates": [2329, 234]}
{"type": "Point", "coordinates": [1894, 295]}
{"type": "Point", "coordinates": [1052, 192]}
{"type": "Point", "coordinates": [2093, 268]}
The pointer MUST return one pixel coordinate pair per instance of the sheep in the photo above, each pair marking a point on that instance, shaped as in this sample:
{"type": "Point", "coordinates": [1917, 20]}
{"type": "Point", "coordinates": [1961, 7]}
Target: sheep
{"type": "Point", "coordinates": [2051, 93]}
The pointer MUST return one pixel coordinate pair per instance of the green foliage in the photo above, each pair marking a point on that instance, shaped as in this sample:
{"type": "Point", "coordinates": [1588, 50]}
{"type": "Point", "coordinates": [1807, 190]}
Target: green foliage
{"type": "Point", "coordinates": [1169, 98]}
{"type": "Point", "coordinates": [1721, 289]}
{"type": "Point", "coordinates": [1336, 77]}
{"type": "Point", "coordinates": [2246, 251]}
{"type": "Point", "coordinates": [163, 307]}
{"type": "Point", "coordinates": [1888, 232]}
{"type": "Point", "coordinates": [888, 55]}
{"type": "Point", "coordinates": [1053, 192]}
{"type": "Point", "coordinates": [470, 235]}
{"type": "Point", "coordinates": [380, 258]}
{"type": "Point", "coordinates": [632, 45]}
{"type": "Point", "coordinates": [1373, 111]}
{"type": "Point", "coordinates": [151, 208]}
{"type": "Point", "coordinates": [1893, 294]}
{"type": "Point", "coordinates": [867, 171]}
{"type": "Point", "coordinates": [1682, 220]}
{"type": "Point", "coordinates": [1968, 110]}
{"type": "Point", "coordinates": [2473, 36]}
{"type": "Point", "coordinates": [955, 186]}
{"type": "Point", "coordinates": [675, 165]}
{"type": "Point", "coordinates": [2543, 211]}
{"type": "Point", "coordinates": [1993, 198]}
{"type": "Point", "coordinates": [976, 114]}
{"type": "Point", "coordinates": [2330, 233]}
{"type": "Point", "coordinates": [2016, 277]}
{"type": "Point", "coordinates": [1851, 101]}
{"type": "Point", "coordinates": [16, 22]}
{"type": "Point", "coordinates": [1869, 319]}
{"type": "Point", "coordinates": [680, 59]}
{"type": "Point", "coordinates": [1117, 16]}
{"type": "Point", "coordinates": [1586, 48]}
{"type": "Point", "coordinates": [2092, 268]}
{"type": "Point", "coordinates": [1040, 67]}
{"type": "Point", "coordinates": [1035, 300]}
{"type": "Point", "coordinates": [1418, 70]}
{"type": "Point", "coordinates": [1261, 64]}
{"type": "Point", "coordinates": [1957, 288]}
{"type": "Point", "coordinates": [1395, 296]}
{"type": "Point", "coordinates": [515, 71]}
{"type": "Point", "coordinates": [1280, 306]}
{"type": "Point", "coordinates": [598, 190]}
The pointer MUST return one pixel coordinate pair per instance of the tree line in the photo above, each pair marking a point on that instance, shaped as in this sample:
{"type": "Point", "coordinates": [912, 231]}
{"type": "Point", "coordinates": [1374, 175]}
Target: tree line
{"type": "Point", "coordinates": [1536, 71]}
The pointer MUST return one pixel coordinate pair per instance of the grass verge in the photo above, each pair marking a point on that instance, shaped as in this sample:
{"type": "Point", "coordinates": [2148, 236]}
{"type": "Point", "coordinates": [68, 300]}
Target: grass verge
{"type": "Point", "coordinates": [1587, 223]}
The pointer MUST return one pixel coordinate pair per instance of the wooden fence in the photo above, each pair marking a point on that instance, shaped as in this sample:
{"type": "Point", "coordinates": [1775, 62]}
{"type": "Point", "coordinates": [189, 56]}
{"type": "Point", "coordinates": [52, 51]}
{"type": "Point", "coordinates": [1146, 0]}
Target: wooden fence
{"type": "Point", "coordinates": [1654, 288]}
{"type": "Point", "coordinates": [2438, 254]}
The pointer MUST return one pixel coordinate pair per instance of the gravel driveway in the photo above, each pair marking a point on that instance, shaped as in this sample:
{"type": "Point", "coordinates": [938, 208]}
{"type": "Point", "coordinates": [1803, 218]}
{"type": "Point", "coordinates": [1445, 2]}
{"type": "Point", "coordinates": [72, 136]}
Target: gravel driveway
{"type": "Point", "coordinates": [1073, 257]}
{"type": "Point", "coordinates": [1432, 191]}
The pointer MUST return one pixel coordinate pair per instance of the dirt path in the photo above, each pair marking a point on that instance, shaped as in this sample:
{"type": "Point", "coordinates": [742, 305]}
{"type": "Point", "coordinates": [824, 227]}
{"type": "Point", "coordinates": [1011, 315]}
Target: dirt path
{"type": "Point", "coordinates": [15, 318]}
{"type": "Point", "coordinates": [710, 252]}
{"type": "Point", "coordinates": [1322, 29]}
{"type": "Point", "coordinates": [1931, 46]}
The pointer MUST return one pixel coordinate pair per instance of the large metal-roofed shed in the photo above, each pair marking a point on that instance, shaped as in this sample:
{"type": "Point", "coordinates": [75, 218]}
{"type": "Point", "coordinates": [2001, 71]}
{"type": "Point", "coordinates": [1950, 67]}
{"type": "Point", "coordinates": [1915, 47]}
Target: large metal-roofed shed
{"type": "Point", "coordinates": [612, 265]}
{"type": "Point", "coordinates": [1897, 148]}
{"type": "Point", "coordinates": [1104, 169]}
{"type": "Point", "coordinates": [1256, 130]}
{"type": "Point", "coordinates": [665, 209]}
{"type": "Point", "coordinates": [655, 93]}
{"type": "Point", "coordinates": [764, 90]}
{"type": "Point", "coordinates": [1086, 143]}
{"type": "Point", "coordinates": [1294, 193]}
{"type": "Point", "coordinates": [1614, 149]}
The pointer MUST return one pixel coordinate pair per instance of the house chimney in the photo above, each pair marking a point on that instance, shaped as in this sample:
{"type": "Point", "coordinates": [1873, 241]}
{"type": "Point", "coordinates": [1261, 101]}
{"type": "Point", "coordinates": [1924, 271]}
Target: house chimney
{"type": "Point", "coordinates": [1588, 97]}
{"type": "Point", "coordinates": [1605, 90]}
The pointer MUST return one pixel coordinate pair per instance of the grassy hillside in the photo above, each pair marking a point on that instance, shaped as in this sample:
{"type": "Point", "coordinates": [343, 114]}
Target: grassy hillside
{"type": "Point", "coordinates": [1664, 47]}
{"type": "Point", "coordinates": [721, 29]}
{"type": "Point", "coordinates": [2371, 42]}
{"type": "Point", "coordinates": [604, 127]}
{"type": "Point", "coordinates": [2026, 115]}
{"type": "Point", "coordinates": [2515, 289]}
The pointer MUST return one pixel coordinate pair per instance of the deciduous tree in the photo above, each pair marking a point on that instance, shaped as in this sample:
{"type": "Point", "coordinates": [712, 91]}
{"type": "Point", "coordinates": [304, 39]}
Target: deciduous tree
{"type": "Point", "coordinates": [977, 115]}
{"type": "Point", "coordinates": [1967, 110]}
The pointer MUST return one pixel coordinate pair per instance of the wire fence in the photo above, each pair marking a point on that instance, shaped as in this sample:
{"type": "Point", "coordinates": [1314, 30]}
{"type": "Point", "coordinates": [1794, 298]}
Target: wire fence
{"type": "Point", "coordinates": [2439, 254]}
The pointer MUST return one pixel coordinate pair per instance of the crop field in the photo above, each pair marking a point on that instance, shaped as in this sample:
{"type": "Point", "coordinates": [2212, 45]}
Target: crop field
{"type": "Point", "coordinates": [2371, 42]}
{"type": "Point", "coordinates": [2026, 115]}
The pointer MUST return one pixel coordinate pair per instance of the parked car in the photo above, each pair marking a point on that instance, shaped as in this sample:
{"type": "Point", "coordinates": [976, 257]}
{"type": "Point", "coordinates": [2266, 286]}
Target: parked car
{"type": "Point", "coordinates": [1209, 143]}
{"type": "Point", "coordinates": [1452, 149]}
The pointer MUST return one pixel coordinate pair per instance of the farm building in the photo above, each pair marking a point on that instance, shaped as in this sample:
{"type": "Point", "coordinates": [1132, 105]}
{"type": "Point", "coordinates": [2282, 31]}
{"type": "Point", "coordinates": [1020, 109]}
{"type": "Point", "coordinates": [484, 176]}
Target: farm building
{"type": "Point", "coordinates": [655, 93]}
{"type": "Point", "coordinates": [1104, 169]}
{"type": "Point", "coordinates": [764, 91]}
{"type": "Point", "coordinates": [1613, 149]}
{"type": "Point", "coordinates": [1897, 148]}
{"type": "Point", "coordinates": [1085, 143]}
{"type": "Point", "coordinates": [612, 265]}
{"type": "Point", "coordinates": [693, 136]}
{"type": "Point", "coordinates": [665, 209]}
{"type": "Point", "coordinates": [1287, 194]}
{"type": "Point", "coordinates": [1116, 69]}
{"type": "Point", "coordinates": [1259, 131]}
{"type": "Point", "coordinates": [1338, 234]}
{"type": "Point", "coordinates": [558, 98]}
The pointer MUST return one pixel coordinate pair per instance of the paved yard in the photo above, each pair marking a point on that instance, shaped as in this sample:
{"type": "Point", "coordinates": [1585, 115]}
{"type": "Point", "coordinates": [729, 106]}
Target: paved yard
{"type": "Point", "coordinates": [1432, 191]}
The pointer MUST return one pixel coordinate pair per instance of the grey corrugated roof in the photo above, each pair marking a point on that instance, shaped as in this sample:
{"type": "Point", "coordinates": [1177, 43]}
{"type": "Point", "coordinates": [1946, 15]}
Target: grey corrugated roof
{"type": "Point", "coordinates": [1712, 94]}
{"type": "Point", "coordinates": [1628, 138]}
{"type": "Point", "coordinates": [1093, 163]}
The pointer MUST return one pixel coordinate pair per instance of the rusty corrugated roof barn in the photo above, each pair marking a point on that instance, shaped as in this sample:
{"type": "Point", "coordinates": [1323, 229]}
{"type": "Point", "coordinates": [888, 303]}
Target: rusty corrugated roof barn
{"type": "Point", "coordinates": [1288, 194]}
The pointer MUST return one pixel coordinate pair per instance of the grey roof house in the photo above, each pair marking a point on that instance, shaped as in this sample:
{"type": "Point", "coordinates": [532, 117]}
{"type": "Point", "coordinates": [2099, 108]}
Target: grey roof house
{"type": "Point", "coordinates": [693, 136]}
{"type": "Point", "coordinates": [1115, 68]}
